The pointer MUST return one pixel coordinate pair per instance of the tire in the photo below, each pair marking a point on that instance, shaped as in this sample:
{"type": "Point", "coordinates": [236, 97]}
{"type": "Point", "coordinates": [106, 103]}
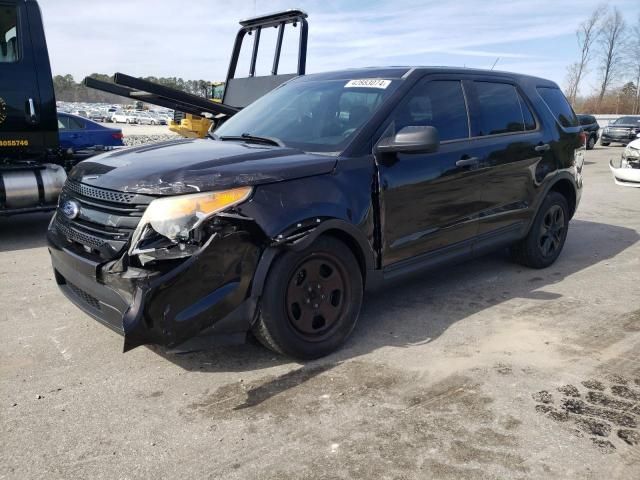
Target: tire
{"type": "Point", "coordinates": [605, 144]}
{"type": "Point", "coordinates": [545, 240]}
{"type": "Point", "coordinates": [591, 143]}
{"type": "Point", "coordinates": [311, 300]}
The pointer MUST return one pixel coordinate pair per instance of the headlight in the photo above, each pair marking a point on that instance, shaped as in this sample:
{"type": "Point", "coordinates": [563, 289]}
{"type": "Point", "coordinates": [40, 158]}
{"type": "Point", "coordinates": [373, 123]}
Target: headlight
{"type": "Point", "coordinates": [176, 217]}
{"type": "Point", "coordinates": [606, 130]}
{"type": "Point", "coordinates": [630, 152]}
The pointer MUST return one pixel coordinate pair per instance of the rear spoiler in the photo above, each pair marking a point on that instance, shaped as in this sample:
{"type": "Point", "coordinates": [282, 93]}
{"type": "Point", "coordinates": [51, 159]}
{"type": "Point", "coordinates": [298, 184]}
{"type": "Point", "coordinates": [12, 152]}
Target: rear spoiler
{"type": "Point", "coordinates": [239, 91]}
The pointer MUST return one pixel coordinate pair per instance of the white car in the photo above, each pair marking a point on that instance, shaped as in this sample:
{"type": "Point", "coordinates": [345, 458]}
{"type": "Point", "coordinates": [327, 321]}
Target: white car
{"type": "Point", "coordinates": [123, 117]}
{"type": "Point", "coordinates": [626, 171]}
{"type": "Point", "coordinates": [143, 118]}
{"type": "Point", "coordinates": [158, 119]}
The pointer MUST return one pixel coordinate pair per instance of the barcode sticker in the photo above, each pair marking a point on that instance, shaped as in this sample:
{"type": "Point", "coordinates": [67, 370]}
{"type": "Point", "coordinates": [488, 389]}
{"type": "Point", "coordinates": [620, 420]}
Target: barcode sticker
{"type": "Point", "coordinates": [368, 83]}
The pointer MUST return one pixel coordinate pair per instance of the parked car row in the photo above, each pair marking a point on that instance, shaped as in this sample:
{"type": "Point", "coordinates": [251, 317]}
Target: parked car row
{"type": "Point", "coordinates": [622, 130]}
{"type": "Point", "coordinates": [104, 113]}
{"type": "Point", "coordinates": [138, 117]}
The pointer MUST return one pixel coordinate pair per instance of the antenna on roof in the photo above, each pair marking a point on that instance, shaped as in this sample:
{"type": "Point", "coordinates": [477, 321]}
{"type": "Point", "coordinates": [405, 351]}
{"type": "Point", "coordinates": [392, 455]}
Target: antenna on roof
{"type": "Point", "coordinates": [494, 63]}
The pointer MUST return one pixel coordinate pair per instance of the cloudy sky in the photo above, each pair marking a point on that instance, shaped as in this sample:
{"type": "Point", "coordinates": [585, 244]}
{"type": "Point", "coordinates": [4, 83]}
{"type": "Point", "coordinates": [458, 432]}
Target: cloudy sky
{"type": "Point", "coordinates": [193, 40]}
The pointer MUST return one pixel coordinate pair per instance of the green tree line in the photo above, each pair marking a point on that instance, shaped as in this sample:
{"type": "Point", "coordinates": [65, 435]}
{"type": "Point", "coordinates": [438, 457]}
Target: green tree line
{"type": "Point", "coordinates": [68, 90]}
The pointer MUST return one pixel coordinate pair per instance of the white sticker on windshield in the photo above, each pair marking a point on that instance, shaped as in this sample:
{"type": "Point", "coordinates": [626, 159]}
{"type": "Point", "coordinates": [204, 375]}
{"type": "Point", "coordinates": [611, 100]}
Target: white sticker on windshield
{"type": "Point", "coordinates": [368, 83]}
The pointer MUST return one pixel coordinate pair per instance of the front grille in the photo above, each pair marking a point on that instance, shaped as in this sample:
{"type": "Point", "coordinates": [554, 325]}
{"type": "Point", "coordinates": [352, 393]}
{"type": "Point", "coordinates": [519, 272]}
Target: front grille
{"type": "Point", "coordinates": [77, 236]}
{"type": "Point", "coordinates": [99, 193]}
{"type": "Point", "coordinates": [106, 219]}
{"type": "Point", "coordinates": [84, 296]}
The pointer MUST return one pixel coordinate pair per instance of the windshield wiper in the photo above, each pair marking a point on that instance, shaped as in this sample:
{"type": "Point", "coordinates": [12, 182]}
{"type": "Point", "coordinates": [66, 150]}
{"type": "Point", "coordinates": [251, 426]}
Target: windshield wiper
{"type": "Point", "coordinates": [255, 138]}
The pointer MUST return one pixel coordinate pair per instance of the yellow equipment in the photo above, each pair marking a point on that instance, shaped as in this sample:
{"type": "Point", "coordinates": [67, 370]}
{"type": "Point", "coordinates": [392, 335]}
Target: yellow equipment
{"type": "Point", "coordinates": [194, 126]}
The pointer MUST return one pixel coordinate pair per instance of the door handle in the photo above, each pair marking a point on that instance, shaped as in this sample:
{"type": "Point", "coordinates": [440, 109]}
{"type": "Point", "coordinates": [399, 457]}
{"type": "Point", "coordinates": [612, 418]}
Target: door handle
{"type": "Point", "coordinates": [543, 147]}
{"type": "Point", "coordinates": [32, 111]}
{"type": "Point", "coordinates": [467, 162]}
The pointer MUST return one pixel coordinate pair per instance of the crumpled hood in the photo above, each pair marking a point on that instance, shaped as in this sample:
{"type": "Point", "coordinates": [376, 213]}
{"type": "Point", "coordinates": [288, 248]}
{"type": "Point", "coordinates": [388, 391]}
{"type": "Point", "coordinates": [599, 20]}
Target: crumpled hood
{"type": "Point", "coordinates": [188, 165]}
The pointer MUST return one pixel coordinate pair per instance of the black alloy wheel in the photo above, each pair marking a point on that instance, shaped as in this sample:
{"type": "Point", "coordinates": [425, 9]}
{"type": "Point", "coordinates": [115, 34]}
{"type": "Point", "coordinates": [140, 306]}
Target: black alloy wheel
{"type": "Point", "coordinates": [547, 235]}
{"type": "Point", "coordinates": [552, 231]}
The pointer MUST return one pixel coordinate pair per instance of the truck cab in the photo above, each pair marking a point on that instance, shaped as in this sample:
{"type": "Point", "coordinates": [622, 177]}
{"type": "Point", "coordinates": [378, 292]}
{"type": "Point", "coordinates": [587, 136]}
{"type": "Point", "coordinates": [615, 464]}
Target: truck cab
{"type": "Point", "coordinates": [28, 124]}
{"type": "Point", "coordinates": [30, 176]}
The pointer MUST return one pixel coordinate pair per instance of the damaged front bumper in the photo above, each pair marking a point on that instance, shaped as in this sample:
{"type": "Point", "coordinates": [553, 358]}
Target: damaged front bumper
{"type": "Point", "coordinates": [206, 293]}
{"type": "Point", "coordinates": [626, 173]}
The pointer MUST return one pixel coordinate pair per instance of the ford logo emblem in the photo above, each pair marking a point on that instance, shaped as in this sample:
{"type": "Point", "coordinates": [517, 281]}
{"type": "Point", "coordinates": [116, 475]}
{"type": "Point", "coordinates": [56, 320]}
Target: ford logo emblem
{"type": "Point", "coordinates": [70, 209]}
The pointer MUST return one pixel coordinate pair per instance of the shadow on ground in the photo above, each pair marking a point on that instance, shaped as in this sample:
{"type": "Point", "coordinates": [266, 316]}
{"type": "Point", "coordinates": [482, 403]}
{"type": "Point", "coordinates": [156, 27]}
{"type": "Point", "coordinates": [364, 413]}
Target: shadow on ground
{"type": "Point", "coordinates": [389, 319]}
{"type": "Point", "coordinates": [21, 232]}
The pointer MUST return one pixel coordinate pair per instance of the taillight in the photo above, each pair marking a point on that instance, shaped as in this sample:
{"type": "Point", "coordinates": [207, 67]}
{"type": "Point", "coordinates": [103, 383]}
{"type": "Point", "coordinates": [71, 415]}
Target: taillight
{"type": "Point", "coordinates": [583, 137]}
{"type": "Point", "coordinates": [117, 135]}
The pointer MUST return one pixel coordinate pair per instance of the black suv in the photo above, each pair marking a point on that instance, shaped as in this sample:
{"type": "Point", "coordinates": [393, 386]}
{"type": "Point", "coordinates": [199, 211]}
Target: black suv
{"type": "Point", "coordinates": [591, 128]}
{"type": "Point", "coordinates": [328, 185]}
{"type": "Point", "coordinates": [622, 130]}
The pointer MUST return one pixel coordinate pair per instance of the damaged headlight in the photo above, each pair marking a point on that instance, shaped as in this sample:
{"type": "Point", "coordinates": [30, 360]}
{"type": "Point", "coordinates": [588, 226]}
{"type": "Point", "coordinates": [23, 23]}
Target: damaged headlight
{"type": "Point", "coordinates": [630, 152]}
{"type": "Point", "coordinates": [175, 218]}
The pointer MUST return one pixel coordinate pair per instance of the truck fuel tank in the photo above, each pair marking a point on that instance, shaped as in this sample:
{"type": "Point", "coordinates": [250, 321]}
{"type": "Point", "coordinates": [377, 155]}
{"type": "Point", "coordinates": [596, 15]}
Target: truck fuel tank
{"type": "Point", "coordinates": [25, 187]}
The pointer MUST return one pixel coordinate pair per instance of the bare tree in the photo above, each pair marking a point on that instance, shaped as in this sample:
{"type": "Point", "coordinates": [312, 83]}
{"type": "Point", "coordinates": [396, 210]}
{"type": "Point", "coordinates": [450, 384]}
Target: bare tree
{"type": "Point", "coordinates": [611, 50]}
{"type": "Point", "coordinates": [586, 34]}
{"type": "Point", "coordinates": [634, 62]}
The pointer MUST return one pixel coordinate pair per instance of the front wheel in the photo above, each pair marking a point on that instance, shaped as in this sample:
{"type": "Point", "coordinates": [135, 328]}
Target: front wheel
{"type": "Point", "coordinates": [591, 143]}
{"type": "Point", "coordinates": [311, 300]}
{"type": "Point", "coordinates": [544, 242]}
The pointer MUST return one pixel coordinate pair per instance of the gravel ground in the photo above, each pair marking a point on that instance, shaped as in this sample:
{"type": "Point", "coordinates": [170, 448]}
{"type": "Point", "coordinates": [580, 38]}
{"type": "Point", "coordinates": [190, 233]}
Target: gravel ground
{"type": "Point", "coordinates": [486, 370]}
{"type": "Point", "coordinates": [135, 140]}
{"type": "Point", "coordinates": [135, 135]}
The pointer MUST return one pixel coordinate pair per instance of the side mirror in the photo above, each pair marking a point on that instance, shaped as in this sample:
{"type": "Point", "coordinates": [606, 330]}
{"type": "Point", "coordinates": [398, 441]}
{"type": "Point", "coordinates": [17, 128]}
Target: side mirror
{"type": "Point", "coordinates": [411, 139]}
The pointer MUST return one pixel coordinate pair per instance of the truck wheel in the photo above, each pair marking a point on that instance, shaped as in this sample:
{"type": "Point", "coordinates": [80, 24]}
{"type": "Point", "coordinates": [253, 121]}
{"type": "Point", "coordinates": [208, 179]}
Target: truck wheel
{"type": "Point", "coordinates": [605, 144]}
{"type": "Point", "coordinates": [543, 244]}
{"type": "Point", "coordinates": [311, 300]}
{"type": "Point", "coordinates": [591, 143]}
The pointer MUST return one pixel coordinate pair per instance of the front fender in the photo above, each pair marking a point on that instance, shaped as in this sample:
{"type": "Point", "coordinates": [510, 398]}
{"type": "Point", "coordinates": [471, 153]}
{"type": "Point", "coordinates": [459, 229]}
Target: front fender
{"type": "Point", "coordinates": [302, 234]}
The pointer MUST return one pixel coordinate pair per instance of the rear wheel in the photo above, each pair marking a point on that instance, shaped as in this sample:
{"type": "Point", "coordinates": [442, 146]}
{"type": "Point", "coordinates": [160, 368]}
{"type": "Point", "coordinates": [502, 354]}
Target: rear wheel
{"type": "Point", "coordinates": [311, 300]}
{"type": "Point", "coordinates": [605, 144]}
{"type": "Point", "coordinates": [542, 246]}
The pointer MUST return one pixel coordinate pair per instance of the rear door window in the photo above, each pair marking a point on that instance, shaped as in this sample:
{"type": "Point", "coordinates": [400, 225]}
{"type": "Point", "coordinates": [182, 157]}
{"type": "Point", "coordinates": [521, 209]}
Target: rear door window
{"type": "Point", "coordinates": [63, 121]}
{"type": "Point", "coordinates": [75, 124]}
{"type": "Point", "coordinates": [8, 34]}
{"type": "Point", "coordinates": [501, 110]}
{"type": "Point", "coordinates": [440, 104]}
{"type": "Point", "coordinates": [559, 106]}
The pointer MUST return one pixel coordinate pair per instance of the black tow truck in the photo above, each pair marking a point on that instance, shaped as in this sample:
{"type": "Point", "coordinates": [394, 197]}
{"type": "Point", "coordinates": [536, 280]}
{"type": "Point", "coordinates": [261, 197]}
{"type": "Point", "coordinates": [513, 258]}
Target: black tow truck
{"type": "Point", "coordinates": [32, 167]}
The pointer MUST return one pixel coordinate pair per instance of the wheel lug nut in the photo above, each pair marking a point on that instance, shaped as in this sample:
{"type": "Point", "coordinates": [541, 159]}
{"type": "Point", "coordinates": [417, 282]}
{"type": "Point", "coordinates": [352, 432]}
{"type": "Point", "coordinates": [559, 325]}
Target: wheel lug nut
{"type": "Point", "coordinates": [318, 287]}
{"type": "Point", "coordinates": [310, 289]}
{"type": "Point", "coordinates": [308, 301]}
{"type": "Point", "coordinates": [315, 305]}
{"type": "Point", "coordinates": [322, 296]}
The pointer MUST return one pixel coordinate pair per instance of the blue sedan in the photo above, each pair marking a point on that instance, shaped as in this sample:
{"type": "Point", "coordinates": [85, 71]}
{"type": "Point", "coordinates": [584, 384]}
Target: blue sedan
{"type": "Point", "coordinates": [78, 133]}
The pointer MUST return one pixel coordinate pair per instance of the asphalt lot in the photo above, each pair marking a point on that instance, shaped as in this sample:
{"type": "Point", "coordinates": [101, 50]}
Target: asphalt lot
{"type": "Point", "coordinates": [454, 375]}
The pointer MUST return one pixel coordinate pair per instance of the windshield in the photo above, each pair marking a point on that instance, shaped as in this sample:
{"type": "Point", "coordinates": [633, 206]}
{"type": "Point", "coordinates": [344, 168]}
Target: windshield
{"type": "Point", "coordinates": [627, 121]}
{"type": "Point", "coordinates": [316, 116]}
